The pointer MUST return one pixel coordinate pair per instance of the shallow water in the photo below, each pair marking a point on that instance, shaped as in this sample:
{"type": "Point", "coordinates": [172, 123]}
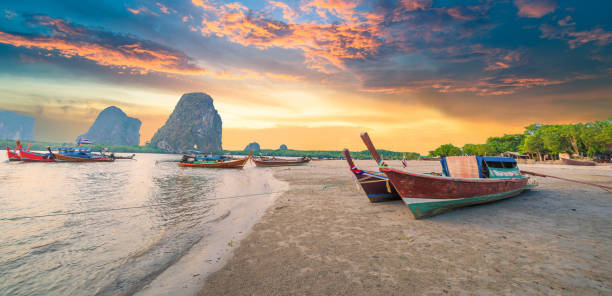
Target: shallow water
{"type": "Point", "coordinates": [107, 228]}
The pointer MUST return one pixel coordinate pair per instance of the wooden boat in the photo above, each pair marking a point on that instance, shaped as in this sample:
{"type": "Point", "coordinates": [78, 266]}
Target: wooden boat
{"type": "Point", "coordinates": [12, 156]}
{"type": "Point", "coordinates": [66, 158]}
{"type": "Point", "coordinates": [274, 162]}
{"type": "Point", "coordinates": [222, 164]}
{"type": "Point", "coordinates": [578, 162]}
{"type": "Point", "coordinates": [68, 154]}
{"type": "Point", "coordinates": [375, 184]}
{"type": "Point", "coordinates": [464, 183]}
{"type": "Point", "coordinates": [123, 157]}
{"type": "Point", "coordinates": [36, 157]}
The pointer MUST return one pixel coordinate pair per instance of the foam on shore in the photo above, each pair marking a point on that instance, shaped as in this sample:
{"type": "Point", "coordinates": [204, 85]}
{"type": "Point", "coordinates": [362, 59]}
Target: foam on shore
{"type": "Point", "coordinates": [233, 219]}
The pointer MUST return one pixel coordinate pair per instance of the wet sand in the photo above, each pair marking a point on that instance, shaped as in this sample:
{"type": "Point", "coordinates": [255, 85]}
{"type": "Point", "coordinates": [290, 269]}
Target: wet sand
{"type": "Point", "coordinates": [556, 239]}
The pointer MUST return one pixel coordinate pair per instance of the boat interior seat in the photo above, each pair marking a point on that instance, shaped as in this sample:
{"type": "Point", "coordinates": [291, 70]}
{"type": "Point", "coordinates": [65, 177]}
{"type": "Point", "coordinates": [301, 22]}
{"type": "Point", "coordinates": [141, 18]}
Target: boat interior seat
{"type": "Point", "coordinates": [462, 166]}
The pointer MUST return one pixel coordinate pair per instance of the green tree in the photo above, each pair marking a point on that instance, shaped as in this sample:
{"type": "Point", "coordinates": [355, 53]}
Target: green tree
{"type": "Point", "coordinates": [445, 150]}
{"type": "Point", "coordinates": [534, 144]}
{"type": "Point", "coordinates": [513, 142]}
{"type": "Point", "coordinates": [477, 149]}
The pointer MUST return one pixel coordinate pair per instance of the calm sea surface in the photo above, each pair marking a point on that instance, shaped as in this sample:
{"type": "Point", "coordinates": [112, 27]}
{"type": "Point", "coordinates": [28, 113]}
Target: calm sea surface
{"type": "Point", "coordinates": [129, 221]}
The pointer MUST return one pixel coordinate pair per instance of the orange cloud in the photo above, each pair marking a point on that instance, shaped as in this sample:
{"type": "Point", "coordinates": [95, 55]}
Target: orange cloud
{"type": "Point", "coordinates": [411, 5]}
{"type": "Point", "coordinates": [74, 41]}
{"type": "Point", "coordinates": [488, 86]}
{"type": "Point", "coordinates": [325, 46]}
{"type": "Point", "coordinates": [288, 13]}
{"type": "Point", "coordinates": [598, 36]}
{"type": "Point", "coordinates": [576, 39]}
{"type": "Point", "coordinates": [240, 74]}
{"type": "Point", "coordinates": [340, 8]}
{"type": "Point", "coordinates": [535, 8]}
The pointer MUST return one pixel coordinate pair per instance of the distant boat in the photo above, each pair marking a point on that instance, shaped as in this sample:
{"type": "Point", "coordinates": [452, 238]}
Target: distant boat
{"type": "Point", "coordinates": [274, 162]}
{"type": "Point", "coordinates": [123, 157]}
{"type": "Point", "coordinates": [69, 154]}
{"type": "Point", "coordinates": [578, 162]}
{"type": "Point", "coordinates": [12, 156]}
{"type": "Point", "coordinates": [213, 162]}
{"type": "Point", "coordinates": [467, 180]}
{"type": "Point", "coordinates": [375, 184]}
{"type": "Point", "coordinates": [36, 157]}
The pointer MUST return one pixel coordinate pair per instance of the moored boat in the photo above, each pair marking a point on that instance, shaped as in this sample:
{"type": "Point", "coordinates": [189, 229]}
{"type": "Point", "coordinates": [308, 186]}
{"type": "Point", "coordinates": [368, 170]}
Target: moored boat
{"type": "Point", "coordinates": [578, 162]}
{"type": "Point", "coordinates": [467, 180]}
{"type": "Point", "coordinates": [222, 163]}
{"type": "Point", "coordinates": [375, 184]}
{"type": "Point", "coordinates": [36, 157]}
{"type": "Point", "coordinates": [61, 157]}
{"type": "Point", "coordinates": [274, 162]}
{"type": "Point", "coordinates": [122, 156]}
{"type": "Point", "coordinates": [80, 155]}
{"type": "Point", "coordinates": [12, 156]}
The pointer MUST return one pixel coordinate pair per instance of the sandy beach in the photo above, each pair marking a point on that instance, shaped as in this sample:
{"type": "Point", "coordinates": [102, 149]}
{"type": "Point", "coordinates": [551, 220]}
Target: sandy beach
{"type": "Point", "coordinates": [324, 238]}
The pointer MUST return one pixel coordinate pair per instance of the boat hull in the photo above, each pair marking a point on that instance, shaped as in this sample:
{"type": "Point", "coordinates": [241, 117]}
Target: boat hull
{"type": "Point", "coordinates": [233, 164]}
{"type": "Point", "coordinates": [277, 163]}
{"type": "Point", "coordinates": [65, 158]}
{"type": "Point", "coordinates": [12, 156]}
{"type": "Point", "coordinates": [376, 186]}
{"type": "Point", "coordinates": [578, 162]}
{"type": "Point", "coordinates": [427, 195]}
{"type": "Point", "coordinates": [35, 157]}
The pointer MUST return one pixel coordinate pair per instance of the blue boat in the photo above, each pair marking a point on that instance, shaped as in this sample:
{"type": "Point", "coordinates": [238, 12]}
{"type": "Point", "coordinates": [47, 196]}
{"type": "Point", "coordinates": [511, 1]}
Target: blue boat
{"type": "Point", "coordinates": [80, 154]}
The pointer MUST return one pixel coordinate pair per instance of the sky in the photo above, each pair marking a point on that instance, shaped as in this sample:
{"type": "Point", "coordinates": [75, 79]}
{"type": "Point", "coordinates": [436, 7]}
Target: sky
{"type": "Point", "coordinates": [311, 74]}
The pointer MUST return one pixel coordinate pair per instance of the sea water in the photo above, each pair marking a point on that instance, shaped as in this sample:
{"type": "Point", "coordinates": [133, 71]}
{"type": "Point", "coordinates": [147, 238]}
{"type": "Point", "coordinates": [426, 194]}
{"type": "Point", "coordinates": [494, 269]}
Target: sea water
{"type": "Point", "coordinates": [117, 228]}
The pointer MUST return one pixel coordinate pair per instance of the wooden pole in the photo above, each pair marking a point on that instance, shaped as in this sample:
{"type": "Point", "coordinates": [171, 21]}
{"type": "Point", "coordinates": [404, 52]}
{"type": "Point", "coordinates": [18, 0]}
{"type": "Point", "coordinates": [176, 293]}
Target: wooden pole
{"type": "Point", "coordinates": [348, 157]}
{"type": "Point", "coordinates": [366, 140]}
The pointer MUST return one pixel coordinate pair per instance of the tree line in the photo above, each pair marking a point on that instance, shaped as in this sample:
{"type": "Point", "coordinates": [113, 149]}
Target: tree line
{"type": "Point", "coordinates": [592, 139]}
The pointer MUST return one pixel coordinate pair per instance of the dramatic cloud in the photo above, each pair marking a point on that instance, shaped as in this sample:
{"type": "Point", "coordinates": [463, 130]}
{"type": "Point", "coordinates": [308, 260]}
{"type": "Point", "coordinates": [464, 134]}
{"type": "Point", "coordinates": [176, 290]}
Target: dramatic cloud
{"type": "Point", "coordinates": [320, 64]}
{"type": "Point", "coordinates": [325, 46]}
{"type": "Point", "coordinates": [577, 38]}
{"type": "Point", "coordinates": [104, 48]}
{"type": "Point", "coordinates": [535, 8]}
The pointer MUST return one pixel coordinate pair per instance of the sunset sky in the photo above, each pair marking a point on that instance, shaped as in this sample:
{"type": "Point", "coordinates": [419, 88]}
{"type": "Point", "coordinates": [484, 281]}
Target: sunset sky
{"type": "Point", "coordinates": [311, 74]}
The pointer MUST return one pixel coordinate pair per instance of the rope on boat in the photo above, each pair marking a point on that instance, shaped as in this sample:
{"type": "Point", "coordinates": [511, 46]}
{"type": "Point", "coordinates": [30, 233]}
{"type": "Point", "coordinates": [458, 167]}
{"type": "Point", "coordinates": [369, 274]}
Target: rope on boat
{"type": "Point", "coordinates": [607, 188]}
{"type": "Point", "coordinates": [164, 204]}
{"type": "Point", "coordinates": [371, 181]}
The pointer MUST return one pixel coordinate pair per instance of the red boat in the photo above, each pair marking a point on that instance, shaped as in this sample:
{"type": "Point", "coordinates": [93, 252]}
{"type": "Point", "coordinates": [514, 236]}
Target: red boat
{"type": "Point", "coordinates": [375, 184]}
{"type": "Point", "coordinates": [12, 156]}
{"type": "Point", "coordinates": [467, 180]}
{"type": "Point", "coordinates": [38, 157]}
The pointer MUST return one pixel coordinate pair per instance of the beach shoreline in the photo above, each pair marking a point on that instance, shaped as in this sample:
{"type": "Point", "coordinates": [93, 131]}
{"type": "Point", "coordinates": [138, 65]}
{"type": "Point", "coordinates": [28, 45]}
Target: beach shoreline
{"type": "Point", "coordinates": [331, 240]}
{"type": "Point", "coordinates": [233, 220]}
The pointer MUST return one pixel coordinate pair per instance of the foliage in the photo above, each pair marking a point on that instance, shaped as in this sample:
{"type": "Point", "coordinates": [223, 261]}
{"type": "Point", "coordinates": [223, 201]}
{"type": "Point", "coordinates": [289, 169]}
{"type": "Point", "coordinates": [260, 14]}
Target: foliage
{"type": "Point", "coordinates": [446, 150]}
{"type": "Point", "coordinates": [477, 149]}
{"type": "Point", "coordinates": [497, 145]}
{"type": "Point", "coordinates": [590, 139]}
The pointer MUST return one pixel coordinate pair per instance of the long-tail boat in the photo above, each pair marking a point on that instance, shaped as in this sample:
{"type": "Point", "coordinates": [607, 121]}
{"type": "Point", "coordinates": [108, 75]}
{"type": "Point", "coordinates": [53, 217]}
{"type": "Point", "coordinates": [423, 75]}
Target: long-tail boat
{"type": "Point", "coordinates": [123, 156]}
{"type": "Point", "coordinates": [577, 162]}
{"type": "Point", "coordinates": [36, 157]}
{"type": "Point", "coordinates": [12, 156]}
{"type": "Point", "coordinates": [80, 155]}
{"type": "Point", "coordinates": [375, 184]}
{"type": "Point", "coordinates": [467, 180]}
{"type": "Point", "coordinates": [274, 162]}
{"type": "Point", "coordinates": [214, 163]}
